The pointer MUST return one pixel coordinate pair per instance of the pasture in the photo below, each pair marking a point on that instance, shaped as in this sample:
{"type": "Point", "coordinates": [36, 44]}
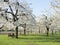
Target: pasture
{"type": "Point", "coordinates": [30, 40]}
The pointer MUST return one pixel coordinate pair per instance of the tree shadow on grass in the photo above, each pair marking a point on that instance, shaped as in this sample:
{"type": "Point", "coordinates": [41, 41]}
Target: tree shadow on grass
{"type": "Point", "coordinates": [41, 38]}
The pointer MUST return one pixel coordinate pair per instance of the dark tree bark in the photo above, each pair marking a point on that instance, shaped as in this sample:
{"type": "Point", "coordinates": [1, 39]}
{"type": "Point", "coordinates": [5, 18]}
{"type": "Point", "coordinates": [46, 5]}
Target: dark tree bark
{"type": "Point", "coordinates": [39, 29]}
{"type": "Point", "coordinates": [25, 29]}
{"type": "Point", "coordinates": [52, 32]}
{"type": "Point", "coordinates": [14, 18]}
{"type": "Point", "coordinates": [2, 27]}
{"type": "Point", "coordinates": [47, 31]}
{"type": "Point", "coordinates": [17, 32]}
{"type": "Point", "coordinates": [24, 26]}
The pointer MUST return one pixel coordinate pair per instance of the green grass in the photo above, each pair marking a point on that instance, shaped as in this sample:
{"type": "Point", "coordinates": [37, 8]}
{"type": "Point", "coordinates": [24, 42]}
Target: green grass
{"type": "Point", "coordinates": [30, 40]}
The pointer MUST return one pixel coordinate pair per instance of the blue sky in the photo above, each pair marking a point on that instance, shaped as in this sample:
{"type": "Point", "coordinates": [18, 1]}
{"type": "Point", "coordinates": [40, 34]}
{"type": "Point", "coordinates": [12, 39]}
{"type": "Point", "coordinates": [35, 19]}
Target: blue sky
{"type": "Point", "coordinates": [39, 5]}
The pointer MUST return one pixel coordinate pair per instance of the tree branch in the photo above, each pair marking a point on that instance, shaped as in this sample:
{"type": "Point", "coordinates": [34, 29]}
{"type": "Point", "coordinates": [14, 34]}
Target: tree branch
{"type": "Point", "coordinates": [1, 27]}
{"type": "Point", "coordinates": [10, 13]}
{"type": "Point", "coordinates": [11, 9]}
{"type": "Point", "coordinates": [16, 12]}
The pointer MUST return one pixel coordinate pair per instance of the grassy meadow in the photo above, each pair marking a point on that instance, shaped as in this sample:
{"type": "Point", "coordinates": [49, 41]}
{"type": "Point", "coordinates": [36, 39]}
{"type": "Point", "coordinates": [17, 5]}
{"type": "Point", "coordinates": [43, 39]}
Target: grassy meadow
{"type": "Point", "coordinates": [30, 40]}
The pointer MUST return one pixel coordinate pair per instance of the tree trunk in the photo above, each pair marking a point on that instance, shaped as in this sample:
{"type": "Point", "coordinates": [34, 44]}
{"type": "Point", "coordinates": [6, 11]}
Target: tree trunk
{"type": "Point", "coordinates": [31, 31]}
{"type": "Point", "coordinates": [24, 31]}
{"type": "Point", "coordinates": [39, 29]}
{"type": "Point", "coordinates": [17, 32]}
{"type": "Point", "coordinates": [52, 32]}
{"type": "Point", "coordinates": [47, 31]}
{"type": "Point", "coordinates": [55, 32]}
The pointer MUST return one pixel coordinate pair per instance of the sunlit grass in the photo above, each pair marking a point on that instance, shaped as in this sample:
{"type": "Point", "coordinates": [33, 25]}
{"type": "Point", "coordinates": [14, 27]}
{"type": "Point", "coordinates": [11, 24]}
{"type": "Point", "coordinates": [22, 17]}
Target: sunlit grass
{"type": "Point", "coordinates": [30, 40]}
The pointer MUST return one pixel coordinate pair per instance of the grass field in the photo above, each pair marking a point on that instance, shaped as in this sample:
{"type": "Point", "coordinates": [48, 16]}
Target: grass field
{"type": "Point", "coordinates": [30, 40]}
